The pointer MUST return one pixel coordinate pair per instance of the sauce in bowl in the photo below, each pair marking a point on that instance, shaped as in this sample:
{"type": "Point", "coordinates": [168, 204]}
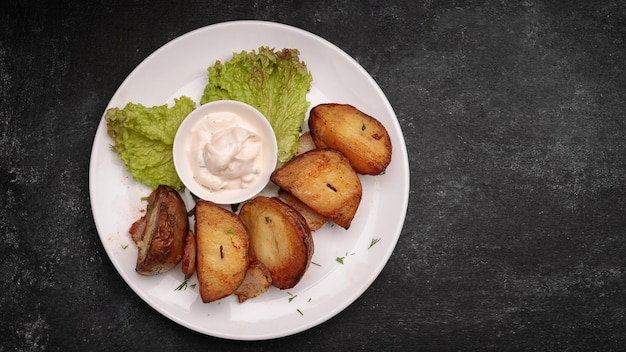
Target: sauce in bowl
{"type": "Point", "coordinates": [225, 151]}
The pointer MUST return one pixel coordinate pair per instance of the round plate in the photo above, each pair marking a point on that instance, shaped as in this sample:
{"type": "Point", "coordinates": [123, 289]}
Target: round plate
{"type": "Point", "coordinates": [345, 263]}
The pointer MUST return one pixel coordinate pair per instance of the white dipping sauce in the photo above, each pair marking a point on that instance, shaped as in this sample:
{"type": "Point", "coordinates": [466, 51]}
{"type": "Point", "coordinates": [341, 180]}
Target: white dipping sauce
{"type": "Point", "coordinates": [225, 152]}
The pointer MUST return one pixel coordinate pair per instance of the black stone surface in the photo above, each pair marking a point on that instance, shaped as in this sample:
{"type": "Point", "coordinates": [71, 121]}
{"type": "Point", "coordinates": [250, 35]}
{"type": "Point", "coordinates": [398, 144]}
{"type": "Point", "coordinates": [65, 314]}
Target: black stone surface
{"type": "Point", "coordinates": [514, 118]}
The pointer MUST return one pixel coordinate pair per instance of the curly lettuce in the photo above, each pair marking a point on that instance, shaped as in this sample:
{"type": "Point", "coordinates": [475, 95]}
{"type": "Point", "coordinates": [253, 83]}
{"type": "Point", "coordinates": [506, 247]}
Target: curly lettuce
{"type": "Point", "coordinates": [144, 138]}
{"type": "Point", "coordinates": [274, 82]}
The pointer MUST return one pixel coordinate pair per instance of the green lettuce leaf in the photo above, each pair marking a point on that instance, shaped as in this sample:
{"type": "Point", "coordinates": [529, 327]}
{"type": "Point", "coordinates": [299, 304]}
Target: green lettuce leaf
{"type": "Point", "coordinates": [274, 82]}
{"type": "Point", "coordinates": [144, 138]}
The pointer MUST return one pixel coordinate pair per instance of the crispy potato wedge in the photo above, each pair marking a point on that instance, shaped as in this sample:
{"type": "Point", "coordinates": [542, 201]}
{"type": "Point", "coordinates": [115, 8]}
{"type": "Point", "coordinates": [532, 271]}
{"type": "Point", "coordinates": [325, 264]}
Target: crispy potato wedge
{"type": "Point", "coordinates": [323, 180]}
{"type": "Point", "coordinates": [222, 251]}
{"type": "Point", "coordinates": [305, 143]}
{"type": "Point", "coordinates": [313, 219]}
{"type": "Point", "coordinates": [360, 137]}
{"type": "Point", "coordinates": [160, 233]}
{"type": "Point", "coordinates": [188, 263]}
{"type": "Point", "coordinates": [257, 281]}
{"type": "Point", "coordinates": [279, 238]}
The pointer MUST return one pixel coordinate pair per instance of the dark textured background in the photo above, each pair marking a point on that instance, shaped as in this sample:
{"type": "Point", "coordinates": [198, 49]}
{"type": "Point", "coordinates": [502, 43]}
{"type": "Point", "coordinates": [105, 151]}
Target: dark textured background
{"type": "Point", "coordinates": [514, 118]}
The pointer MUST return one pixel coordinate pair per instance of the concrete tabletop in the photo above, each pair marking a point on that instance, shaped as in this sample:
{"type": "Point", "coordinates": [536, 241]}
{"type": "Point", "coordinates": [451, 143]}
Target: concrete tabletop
{"type": "Point", "coordinates": [514, 118]}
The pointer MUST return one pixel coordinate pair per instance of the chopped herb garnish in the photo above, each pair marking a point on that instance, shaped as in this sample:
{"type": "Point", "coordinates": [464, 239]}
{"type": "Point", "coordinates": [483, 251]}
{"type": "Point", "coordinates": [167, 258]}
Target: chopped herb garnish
{"type": "Point", "coordinates": [374, 241]}
{"type": "Point", "coordinates": [314, 263]}
{"type": "Point", "coordinates": [229, 231]}
{"type": "Point", "coordinates": [190, 212]}
{"type": "Point", "coordinates": [144, 198]}
{"type": "Point", "coordinates": [124, 246]}
{"type": "Point", "coordinates": [192, 285]}
{"type": "Point", "coordinates": [194, 197]}
{"type": "Point", "coordinates": [234, 207]}
{"type": "Point", "coordinates": [340, 259]}
{"type": "Point", "coordinates": [363, 126]}
{"type": "Point", "coordinates": [299, 311]}
{"type": "Point", "coordinates": [268, 219]}
{"type": "Point", "coordinates": [291, 296]}
{"type": "Point", "coordinates": [183, 285]}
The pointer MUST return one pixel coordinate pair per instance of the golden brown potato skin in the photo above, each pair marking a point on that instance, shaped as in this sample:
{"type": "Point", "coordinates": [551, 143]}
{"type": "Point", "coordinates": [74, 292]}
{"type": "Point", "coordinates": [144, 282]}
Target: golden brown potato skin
{"type": "Point", "coordinates": [313, 219]}
{"type": "Point", "coordinates": [360, 137]}
{"type": "Point", "coordinates": [279, 238]}
{"type": "Point", "coordinates": [221, 249]}
{"type": "Point", "coordinates": [189, 255]}
{"type": "Point", "coordinates": [323, 180]}
{"type": "Point", "coordinates": [160, 233]}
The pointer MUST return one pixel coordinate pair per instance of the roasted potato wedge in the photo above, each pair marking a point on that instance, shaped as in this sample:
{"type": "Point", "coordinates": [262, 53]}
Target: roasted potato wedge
{"type": "Point", "coordinates": [188, 265]}
{"type": "Point", "coordinates": [305, 143]}
{"type": "Point", "coordinates": [222, 251]}
{"type": "Point", "coordinates": [323, 180]}
{"type": "Point", "coordinates": [257, 281]}
{"type": "Point", "coordinates": [313, 219]}
{"type": "Point", "coordinates": [360, 137]}
{"type": "Point", "coordinates": [160, 233]}
{"type": "Point", "coordinates": [279, 238]}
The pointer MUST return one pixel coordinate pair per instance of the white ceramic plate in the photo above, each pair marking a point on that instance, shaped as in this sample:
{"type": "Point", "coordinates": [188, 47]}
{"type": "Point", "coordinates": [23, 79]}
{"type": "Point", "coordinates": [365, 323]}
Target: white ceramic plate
{"type": "Point", "coordinates": [179, 68]}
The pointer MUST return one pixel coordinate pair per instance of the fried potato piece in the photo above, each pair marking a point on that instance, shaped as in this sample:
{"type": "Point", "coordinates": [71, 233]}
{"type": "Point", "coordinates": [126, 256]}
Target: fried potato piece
{"type": "Point", "coordinates": [323, 180]}
{"type": "Point", "coordinates": [279, 238]}
{"type": "Point", "coordinates": [160, 233]}
{"type": "Point", "coordinates": [188, 265]}
{"type": "Point", "coordinates": [313, 219]}
{"type": "Point", "coordinates": [257, 281]}
{"type": "Point", "coordinates": [360, 137]}
{"type": "Point", "coordinates": [305, 143]}
{"type": "Point", "coordinates": [222, 251]}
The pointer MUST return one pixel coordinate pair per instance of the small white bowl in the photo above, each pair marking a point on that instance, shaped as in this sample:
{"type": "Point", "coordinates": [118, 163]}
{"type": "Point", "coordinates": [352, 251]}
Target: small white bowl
{"type": "Point", "coordinates": [252, 120]}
